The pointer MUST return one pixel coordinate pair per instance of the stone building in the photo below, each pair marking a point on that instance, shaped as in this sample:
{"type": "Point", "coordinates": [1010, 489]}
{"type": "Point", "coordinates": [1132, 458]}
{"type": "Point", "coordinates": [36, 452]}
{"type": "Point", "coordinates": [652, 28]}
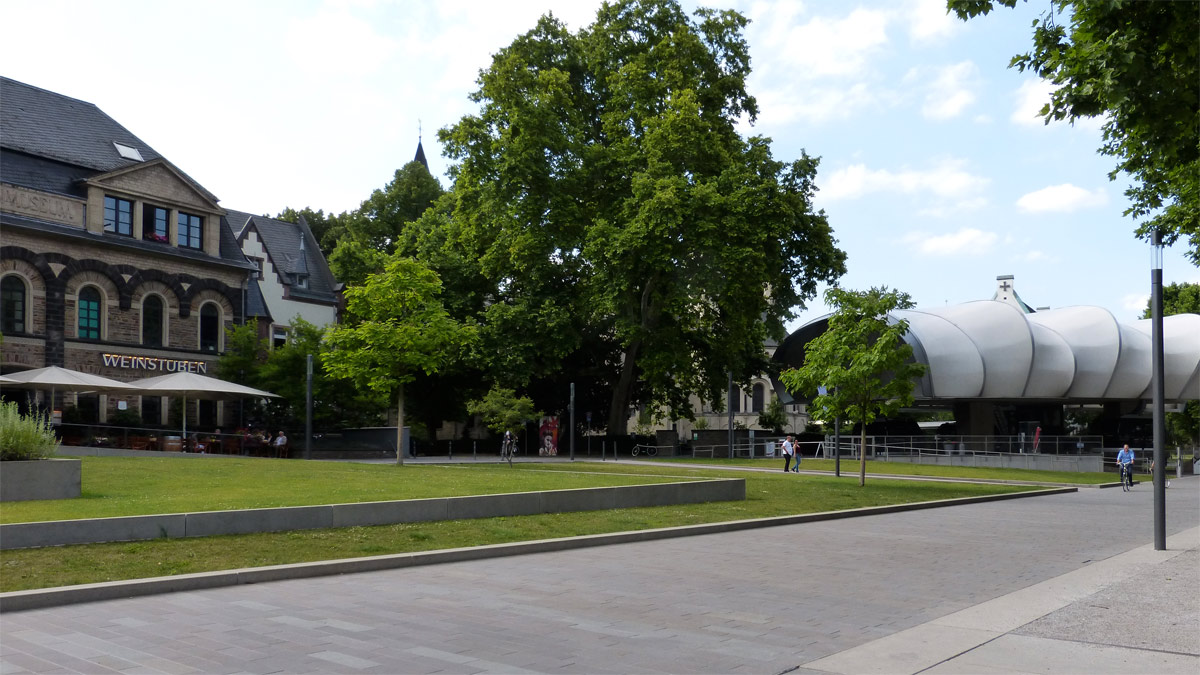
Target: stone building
{"type": "Point", "coordinates": [108, 250]}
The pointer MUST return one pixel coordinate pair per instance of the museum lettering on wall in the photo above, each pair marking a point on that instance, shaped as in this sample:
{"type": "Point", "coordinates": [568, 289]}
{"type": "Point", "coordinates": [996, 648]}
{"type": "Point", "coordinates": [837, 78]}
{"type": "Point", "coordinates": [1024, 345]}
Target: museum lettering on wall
{"type": "Point", "coordinates": [154, 363]}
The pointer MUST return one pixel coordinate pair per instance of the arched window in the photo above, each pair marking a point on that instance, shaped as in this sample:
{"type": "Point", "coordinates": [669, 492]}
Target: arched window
{"type": "Point", "coordinates": [735, 405]}
{"type": "Point", "coordinates": [12, 305]}
{"type": "Point", "coordinates": [152, 321]}
{"type": "Point", "coordinates": [210, 328]}
{"type": "Point", "coordinates": [758, 395]}
{"type": "Point", "coordinates": [89, 314]}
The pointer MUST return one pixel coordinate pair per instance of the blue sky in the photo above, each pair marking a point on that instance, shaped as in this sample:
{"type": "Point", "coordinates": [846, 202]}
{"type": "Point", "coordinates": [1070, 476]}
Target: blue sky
{"type": "Point", "coordinates": [935, 172]}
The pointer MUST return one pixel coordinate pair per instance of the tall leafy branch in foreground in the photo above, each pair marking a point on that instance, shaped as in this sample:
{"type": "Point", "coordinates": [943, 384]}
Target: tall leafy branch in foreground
{"type": "Point", "coordinates": [860, 362]}
{"type": "Point", "coordinates": [625, 226]}
{"type": "Point", "coordinates": [1138, 65]}
{"type": "Point", "coordinates": [397, 329]}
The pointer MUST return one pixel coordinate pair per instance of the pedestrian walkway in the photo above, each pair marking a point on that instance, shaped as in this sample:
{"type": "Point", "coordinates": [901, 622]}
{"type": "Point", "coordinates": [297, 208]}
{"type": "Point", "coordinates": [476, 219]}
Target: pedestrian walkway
{"type": "Point", "coordinates": [1045, 584]}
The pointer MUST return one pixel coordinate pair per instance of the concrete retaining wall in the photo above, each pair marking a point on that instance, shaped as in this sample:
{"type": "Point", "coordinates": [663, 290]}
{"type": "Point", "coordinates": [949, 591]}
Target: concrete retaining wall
{"type": "Point", "coordinates": [208, 523]}
{"type": "Point", "coordinates": [1086, 463]}
{"type": "Point", "coordinates": [40, 479]}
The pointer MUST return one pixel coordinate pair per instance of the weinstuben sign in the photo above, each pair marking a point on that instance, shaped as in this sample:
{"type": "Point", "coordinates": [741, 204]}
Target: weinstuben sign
{"type": "Point", "coordinates": [154, 364]}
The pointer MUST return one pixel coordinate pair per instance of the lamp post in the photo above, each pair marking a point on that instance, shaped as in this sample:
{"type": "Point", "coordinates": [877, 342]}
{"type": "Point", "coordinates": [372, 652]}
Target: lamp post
{"type": "Point", "coordinates": [1160, 426]}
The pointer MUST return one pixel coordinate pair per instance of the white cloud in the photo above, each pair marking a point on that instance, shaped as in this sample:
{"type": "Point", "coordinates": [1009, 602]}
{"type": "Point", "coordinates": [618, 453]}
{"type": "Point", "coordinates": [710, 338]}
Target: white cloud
{"type": "Point", "coordinates": [816, 104]}
{"type": "Point", "coordinates": [1065, 198]}
{"type": "Point", "coordinates": [1135, 302]}
{"type": "Point", "coordinates": [966, 241]}
{"type": "Point", "coordinates": [821, 47]}
{"type": "Point", "coordinates": [929, 19]}
{"type": "Point", "coordinates": [1031, 96]}
{"type": "Point", "coordinates": [332, 41]}
{"type": "Point", "coordinates": [947, 90]}
{"type": "Point", "coordinates": [946, 181]}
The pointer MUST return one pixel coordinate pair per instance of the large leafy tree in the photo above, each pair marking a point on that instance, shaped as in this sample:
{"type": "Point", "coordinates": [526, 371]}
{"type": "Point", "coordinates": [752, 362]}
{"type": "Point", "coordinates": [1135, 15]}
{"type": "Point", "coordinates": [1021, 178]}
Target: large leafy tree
{"type": "Point", "coordinates": [397, 329]}
{"type": "Point", "coordinates": [326, 228]}
{"type": "Point", "coordinates": [1138, 64]}
{"type": "Point", "coordinates": [1183, 428]}
{"type": "Point", "coordinates": [380, 220]}
{"type": "Point", "coordinates": [859, 368]}
{"type": "Point", "coordinates": [625, 228]}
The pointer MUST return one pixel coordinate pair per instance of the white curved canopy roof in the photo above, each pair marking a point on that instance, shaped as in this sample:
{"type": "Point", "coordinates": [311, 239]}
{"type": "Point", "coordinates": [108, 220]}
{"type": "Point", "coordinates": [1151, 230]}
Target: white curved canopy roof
{"type": "Point", "coordinates": [991, 350]}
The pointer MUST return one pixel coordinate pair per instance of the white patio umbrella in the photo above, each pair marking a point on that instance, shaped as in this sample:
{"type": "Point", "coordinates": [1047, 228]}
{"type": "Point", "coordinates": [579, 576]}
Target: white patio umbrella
{"type": "Point", "coordinates": [54, 378]}
{"type": "Point", "coordinates": [195, 386]}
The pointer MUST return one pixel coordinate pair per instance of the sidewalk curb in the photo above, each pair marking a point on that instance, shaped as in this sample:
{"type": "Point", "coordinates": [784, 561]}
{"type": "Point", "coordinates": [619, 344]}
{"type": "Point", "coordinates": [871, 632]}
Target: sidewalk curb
{"type": "Point", "coordinates": [15, 601]}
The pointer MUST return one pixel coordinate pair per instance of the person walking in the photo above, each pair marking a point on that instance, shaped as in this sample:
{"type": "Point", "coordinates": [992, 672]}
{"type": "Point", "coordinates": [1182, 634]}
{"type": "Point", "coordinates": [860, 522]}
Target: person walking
{"type": "Point", "coordinates": [795, 455]}
{"type": "Point", "coordinates": [788, 449]}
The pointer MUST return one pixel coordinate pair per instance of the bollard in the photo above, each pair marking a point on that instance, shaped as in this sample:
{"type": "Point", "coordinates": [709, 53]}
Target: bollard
{"type": "Point", "coordinates": [474, 451]}
{"type": "Point", "coordinates": [450, 445]}
{"type": "Point", "coordinates": [603, 444]}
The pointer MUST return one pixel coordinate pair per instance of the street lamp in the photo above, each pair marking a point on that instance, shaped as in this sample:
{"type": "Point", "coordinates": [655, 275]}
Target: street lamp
{"type": "Point", "coordinates": [1160, 426]}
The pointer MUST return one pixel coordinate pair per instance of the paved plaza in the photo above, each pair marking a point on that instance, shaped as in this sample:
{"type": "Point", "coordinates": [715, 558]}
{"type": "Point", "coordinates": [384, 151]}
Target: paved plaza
{"type": "Point", "coordinates": [1060, 583]}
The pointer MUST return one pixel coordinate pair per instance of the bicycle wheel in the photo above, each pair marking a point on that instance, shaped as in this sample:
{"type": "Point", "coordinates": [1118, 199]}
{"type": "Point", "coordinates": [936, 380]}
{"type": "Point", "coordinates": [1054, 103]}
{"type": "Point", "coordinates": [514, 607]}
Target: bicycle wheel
{"type": "Point", "coordinates": [651, 452]}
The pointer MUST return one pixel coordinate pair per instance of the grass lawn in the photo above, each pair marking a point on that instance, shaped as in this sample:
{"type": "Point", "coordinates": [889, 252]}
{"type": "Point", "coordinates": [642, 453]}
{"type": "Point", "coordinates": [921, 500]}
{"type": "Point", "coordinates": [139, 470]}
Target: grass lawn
{"type": "Point", "coordinates": [768, 494]}
{"type": "Point", "coordinates": [135, 486]}
{"type": "Point", "coordinates": [850, 467]}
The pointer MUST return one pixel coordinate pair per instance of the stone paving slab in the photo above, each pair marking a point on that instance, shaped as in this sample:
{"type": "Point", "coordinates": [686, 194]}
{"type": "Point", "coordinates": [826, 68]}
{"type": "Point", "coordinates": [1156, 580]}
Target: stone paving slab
{"type": "Point", "coordinates": [756, 601]}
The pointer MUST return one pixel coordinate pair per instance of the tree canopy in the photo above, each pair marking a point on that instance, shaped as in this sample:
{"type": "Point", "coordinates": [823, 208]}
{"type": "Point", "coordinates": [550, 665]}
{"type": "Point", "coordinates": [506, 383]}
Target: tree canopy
{"type": "Point", "coordinates": [1183, 428]}
{"type": "Point", "coordinates": [625, 229]}
{"type": "Point", "coordinates": [859, 368]}
{"type": "Point", "coordinates": [1137, 64]}
{"type": "Point", "coordinates": [397, 328]}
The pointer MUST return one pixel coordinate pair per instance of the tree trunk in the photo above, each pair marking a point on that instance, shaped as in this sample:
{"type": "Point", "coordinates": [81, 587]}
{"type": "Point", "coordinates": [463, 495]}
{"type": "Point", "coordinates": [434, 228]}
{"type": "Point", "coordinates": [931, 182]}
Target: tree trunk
{"type": "Point", "coordinates": [400, 427]}
{"type": "Point", "coordinates": [862, 456]}
{"type": "Point", "coordinates": [618, 412]}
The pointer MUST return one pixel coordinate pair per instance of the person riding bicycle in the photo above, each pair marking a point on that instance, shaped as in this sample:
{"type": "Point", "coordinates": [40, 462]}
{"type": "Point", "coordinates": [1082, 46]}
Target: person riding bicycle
{"type": "Point", "coordinates": [509, 444]}
{"type": "Point", "coordinates": [1125, 462]}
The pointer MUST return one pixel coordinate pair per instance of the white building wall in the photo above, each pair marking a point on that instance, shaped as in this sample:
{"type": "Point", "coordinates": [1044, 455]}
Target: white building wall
{"type": "Point", "coordinates": [282, 310]}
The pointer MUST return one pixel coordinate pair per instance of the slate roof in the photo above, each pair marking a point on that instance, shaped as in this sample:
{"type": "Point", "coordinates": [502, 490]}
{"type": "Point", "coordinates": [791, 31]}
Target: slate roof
{"type": "Point", "coordinates": [52, 126]}
{"type": "Point", "coordinates": [281, 240]}
{"type": "Point", "coordinates": [52, 143]}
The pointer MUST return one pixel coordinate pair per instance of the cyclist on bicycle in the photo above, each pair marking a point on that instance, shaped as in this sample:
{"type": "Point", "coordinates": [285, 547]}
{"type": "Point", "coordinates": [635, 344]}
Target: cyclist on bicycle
{"type": "Point", "coordinates": [508, 446]}
{"type": "Point", "coordinates": [1125, 462]}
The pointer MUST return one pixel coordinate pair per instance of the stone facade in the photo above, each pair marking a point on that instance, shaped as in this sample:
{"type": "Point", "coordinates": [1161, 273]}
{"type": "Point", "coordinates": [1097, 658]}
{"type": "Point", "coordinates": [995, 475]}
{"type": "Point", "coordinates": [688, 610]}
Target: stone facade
{"type": "Point", "coordinates": [57, 248]}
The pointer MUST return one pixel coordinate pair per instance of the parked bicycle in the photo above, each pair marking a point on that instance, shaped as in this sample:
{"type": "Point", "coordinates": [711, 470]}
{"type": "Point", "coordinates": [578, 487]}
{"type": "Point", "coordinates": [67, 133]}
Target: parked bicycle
{"type": "Point", "coordinates": [648, 450]}
{"type": "Point", "coordinates": [507, 449]}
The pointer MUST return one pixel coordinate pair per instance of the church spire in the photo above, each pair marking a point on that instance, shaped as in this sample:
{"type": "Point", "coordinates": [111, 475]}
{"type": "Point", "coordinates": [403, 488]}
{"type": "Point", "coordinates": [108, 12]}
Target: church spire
{"type": "Point", "coordinates": [420, 150]}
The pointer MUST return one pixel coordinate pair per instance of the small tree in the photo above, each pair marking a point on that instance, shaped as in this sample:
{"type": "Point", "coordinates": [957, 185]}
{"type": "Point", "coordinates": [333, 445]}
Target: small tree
{"type": "Point", "coordinates": [774, 417]}
{"type": "Point", "coordinates": [399, 328]}
{"type": "Point", "coordinates": [860, 362]}
{"type": "Point", "coordinates": [502, 410]}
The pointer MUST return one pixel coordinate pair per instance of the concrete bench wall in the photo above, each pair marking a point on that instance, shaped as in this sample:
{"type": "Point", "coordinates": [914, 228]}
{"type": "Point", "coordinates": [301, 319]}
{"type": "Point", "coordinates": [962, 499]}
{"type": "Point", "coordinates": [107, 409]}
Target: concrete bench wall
{"type": "Point", "coordinates": [209, 523]}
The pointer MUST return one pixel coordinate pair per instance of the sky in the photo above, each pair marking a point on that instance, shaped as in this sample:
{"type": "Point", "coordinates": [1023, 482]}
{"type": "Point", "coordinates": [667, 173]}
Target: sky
{"type": "Point", "coordinates": [936, 173]}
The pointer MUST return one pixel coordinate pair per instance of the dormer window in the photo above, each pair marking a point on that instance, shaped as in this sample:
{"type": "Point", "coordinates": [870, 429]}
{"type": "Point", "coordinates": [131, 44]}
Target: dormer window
{"type": "Point", "coordinates": [191, 231]}
{"type": "Point", "coordinates": [128, 152]}
{"type": "Point", "coordinates": [118, 216]}
{"type": "Point", "coordinates": [302, 281]}
{"type": "Point", "coordinates": [156, 224]}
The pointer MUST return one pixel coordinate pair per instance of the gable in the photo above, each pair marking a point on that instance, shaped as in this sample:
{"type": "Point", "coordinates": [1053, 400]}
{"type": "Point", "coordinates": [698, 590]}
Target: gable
{"type": "Point", "coordinates": [156, 181]}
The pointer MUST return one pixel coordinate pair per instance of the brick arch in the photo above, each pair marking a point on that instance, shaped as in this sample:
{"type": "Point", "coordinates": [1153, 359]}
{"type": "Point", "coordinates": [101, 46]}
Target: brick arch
{"type": "Point", "coordinates": [230, 298]}
{"type": "Point", "coordinates": [209, 295]}
{"type": "Point", "coordinates": [97, 268]}
{"type": "Point", "coordinates": [36, 264]}
{"type": "Point", "coordinates": [170, 294]}
{"type": "Point", "coordinates": [96, 278]}
{"type": "Point", "coordinates": [170, 281]}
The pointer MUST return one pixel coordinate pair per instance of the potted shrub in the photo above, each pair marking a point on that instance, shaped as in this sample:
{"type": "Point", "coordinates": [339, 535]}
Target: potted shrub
{"type": "Point", "coordinates": [26, 444]}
